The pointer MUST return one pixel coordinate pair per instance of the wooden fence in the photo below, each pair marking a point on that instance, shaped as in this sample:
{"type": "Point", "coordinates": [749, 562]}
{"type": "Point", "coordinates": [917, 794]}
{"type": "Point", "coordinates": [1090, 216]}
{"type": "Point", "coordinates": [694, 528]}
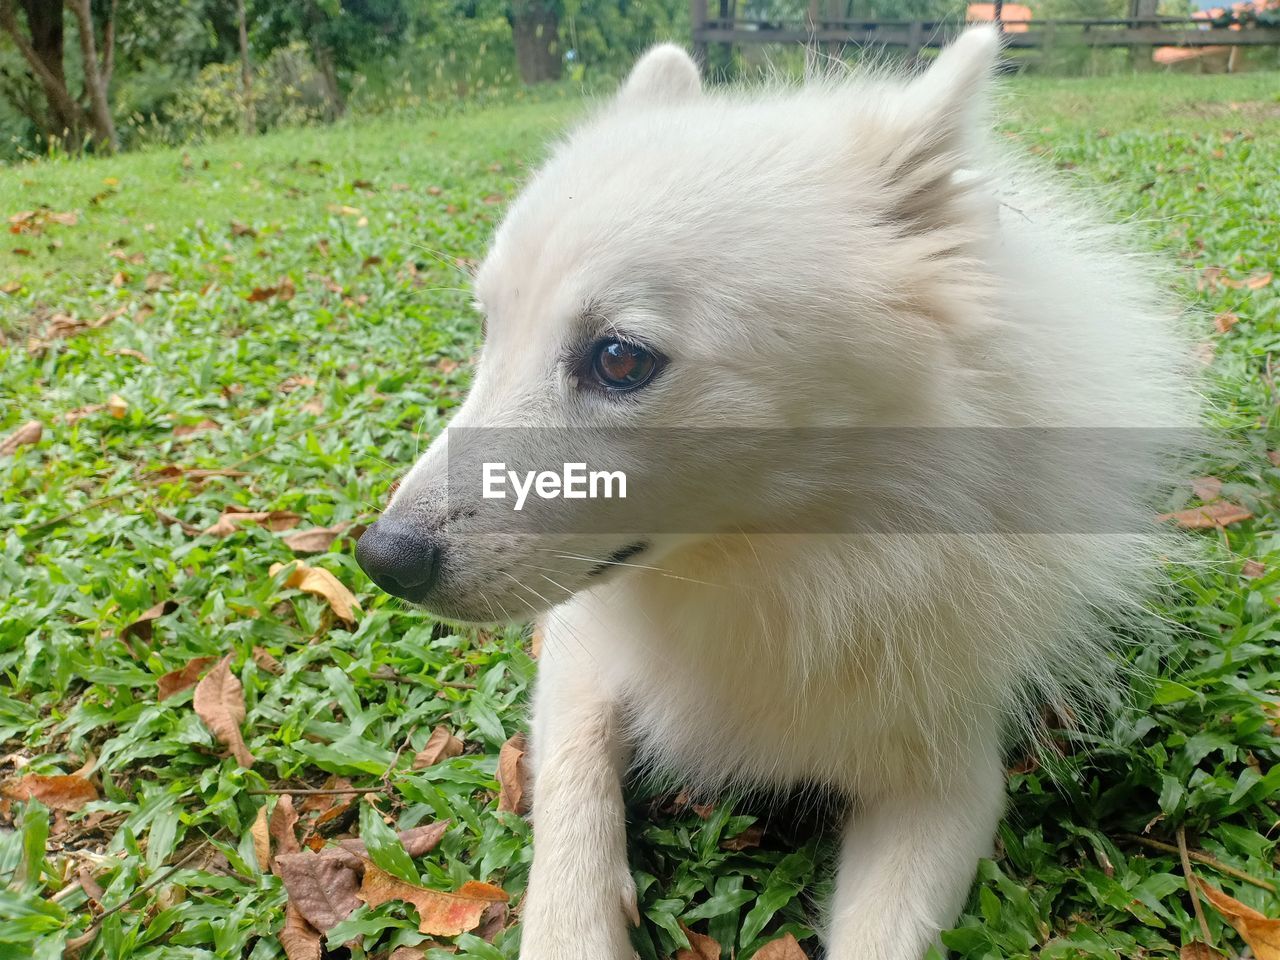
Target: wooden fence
{"type": "Point", "coordinates": [915, 35]}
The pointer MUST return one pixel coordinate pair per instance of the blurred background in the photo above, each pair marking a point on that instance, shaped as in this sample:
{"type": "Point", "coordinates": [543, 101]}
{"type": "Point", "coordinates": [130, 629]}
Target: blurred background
{"type": "Point", "coordinates": [174, 73]}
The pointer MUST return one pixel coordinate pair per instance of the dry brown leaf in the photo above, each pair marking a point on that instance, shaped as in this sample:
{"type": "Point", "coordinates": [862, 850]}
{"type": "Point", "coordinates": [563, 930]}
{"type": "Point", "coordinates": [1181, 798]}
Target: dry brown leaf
{"type": "Point", "coordinates": [68, 792]}
{"type": "Point", "coordinates": [178, 680]}
{"type": "Point", "coordinates": [417, 842]}
{"type": "Point", "coordinates": [748, 839]}
{"type": "Point", "coordinates": [259, 294]}
{"type": "Point", "coordinates": [281, 828]}
{"type": "Point", "coordinates": [130, 352]}
{"type": "Point", "coordinates": [513, 777]}
{"type": "Point", "coordinates": [784, 948]}
{"type": "Point", "coordinates": [1207, 488]}
{"type": "Point", "coordinates": [315, 540]}
{"type": "Point", "coordinates": [117, 406]}
{"type": "Point", "coordinates": [1221, 513]}
{"type": "Point", "coordinates": [27, 434]}
{"type": "Point", "coordinates": [1195, 950]}
{"type": "Point", "coordinates": [293, 383]}
{"type": "Point", "coordinates": [439, 914]}
{"type": "Point", "coordinates": [321, 886]}
{"type": "Point", "coordinates": [408, 953]}
{"type": "Point", "coordinates": [142, 627]}
{"type": "Point", "coordinates": [1253, 569]}
{"type": "Point", "coordinates": [1223, 322]}
{"type": "Point", "coordinates": [441, 745]}
{"type": "Point", "coordinates": [79, 413]}
{"type": "Point", "coordinates": [267, 662]}
{"type": "Point", "coordinates": [239, 229]}
{"type": "Point", "coordinates": [300, 940]}
{"type": "Point", "coordinates": [323, 584]}
{"type": "Point", "coordinates": [233, 518]}
{"type": "Point", "coordinates": [701, 947]}
{"type": "Point", "coordinates": [1261, 933]}
{"type": "Point", "coordinates": [1258, 281]}
{"type": "Point", "coordinates": [314, 406]}
{"type": "Point", "coordinates": [186, 429]}
{"type": "Point", "coordinates": [219, 702]}
{"type": "Point", "coordinates": [261, 839]}
{"type": "Point", "coordinates": [156, 281]}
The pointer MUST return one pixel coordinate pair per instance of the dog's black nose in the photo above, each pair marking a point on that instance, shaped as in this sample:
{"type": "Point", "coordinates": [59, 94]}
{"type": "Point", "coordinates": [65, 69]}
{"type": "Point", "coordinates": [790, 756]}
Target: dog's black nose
{"type": "Point", "coordinates": [399, 559]}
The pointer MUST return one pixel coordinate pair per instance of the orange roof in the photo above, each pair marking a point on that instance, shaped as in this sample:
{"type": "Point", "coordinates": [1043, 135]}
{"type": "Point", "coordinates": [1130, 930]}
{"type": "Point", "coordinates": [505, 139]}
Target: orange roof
{"type": "Point", "coordinates": [1014, 16]}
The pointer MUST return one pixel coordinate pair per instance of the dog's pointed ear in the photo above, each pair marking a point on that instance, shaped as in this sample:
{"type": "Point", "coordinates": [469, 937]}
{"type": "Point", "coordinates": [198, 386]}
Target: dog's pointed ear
{"type": "Point", "coordinates": [935, 129]}
{"type": "Point", "coordinates": [949, 98]}
{"type": "Point", "coordinates": [665, 74]}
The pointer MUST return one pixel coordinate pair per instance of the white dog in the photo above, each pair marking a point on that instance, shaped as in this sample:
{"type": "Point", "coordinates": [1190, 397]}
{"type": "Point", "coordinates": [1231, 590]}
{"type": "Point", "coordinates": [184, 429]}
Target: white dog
{"type": "Point", "coordinates": [849, 254]}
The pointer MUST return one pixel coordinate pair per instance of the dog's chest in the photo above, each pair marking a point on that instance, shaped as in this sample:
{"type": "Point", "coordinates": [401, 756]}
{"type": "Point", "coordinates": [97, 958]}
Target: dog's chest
{"type": "Point", "coordinates": [720, 702]}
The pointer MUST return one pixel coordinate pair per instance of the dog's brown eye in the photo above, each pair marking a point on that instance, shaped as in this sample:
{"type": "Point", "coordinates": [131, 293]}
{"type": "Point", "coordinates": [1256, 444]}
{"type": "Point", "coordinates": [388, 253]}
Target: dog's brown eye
{"type": "Point", "coordinates": [620, 365]}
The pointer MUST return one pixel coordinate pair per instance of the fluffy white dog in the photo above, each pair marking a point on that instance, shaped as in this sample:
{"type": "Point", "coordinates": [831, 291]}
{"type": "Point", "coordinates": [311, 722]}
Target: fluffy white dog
{"type": "Point", "coordinates": [849, 254]}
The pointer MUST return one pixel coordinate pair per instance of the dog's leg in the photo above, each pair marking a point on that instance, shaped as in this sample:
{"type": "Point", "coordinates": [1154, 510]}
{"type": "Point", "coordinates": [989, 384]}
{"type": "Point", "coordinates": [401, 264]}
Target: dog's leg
{"type": "Point", "coordinates": [908, 861]}
{"type": "Point", "coordinates": [581, 896]}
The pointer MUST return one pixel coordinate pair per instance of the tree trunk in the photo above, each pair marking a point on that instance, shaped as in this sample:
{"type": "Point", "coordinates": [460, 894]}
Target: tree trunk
{"type": "Point", "coordinates": [43, 52]}
{"type": "Point", "coordinates": [95, 76]}
{"type": "Point", "coordinates": [246, 72]}
{"type": "Point", "coordinates": [535, 28]}
{"type": "Point", "coordinates": [322, 53]}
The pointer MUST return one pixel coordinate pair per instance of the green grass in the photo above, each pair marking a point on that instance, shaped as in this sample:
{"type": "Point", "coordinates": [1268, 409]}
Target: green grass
{"type": "Point", "coordinates": [322, 399]}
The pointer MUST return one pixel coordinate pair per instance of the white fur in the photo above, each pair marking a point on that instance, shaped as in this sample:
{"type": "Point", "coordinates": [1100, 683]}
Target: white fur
{"type": "Point", "coordinates": [852, 253]}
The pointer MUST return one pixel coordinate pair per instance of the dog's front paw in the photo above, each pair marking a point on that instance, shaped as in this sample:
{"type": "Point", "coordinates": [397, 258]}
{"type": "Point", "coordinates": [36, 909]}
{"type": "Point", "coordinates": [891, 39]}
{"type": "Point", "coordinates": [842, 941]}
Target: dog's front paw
{"type": "Point", "coordinates": [573, 922]}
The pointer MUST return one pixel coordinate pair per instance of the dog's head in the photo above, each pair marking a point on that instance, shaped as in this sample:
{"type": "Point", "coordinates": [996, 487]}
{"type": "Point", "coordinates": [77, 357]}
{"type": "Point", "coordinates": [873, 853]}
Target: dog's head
{"type": "Point", "coordinates": [689, 260]}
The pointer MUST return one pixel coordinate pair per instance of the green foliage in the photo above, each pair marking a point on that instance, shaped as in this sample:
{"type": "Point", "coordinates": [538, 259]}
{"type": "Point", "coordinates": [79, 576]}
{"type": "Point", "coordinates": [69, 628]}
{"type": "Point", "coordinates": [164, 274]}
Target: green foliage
{"type": "Point", "coordinates": [87, 543]}
{"type": "Point", "coordinates": [286, 92]}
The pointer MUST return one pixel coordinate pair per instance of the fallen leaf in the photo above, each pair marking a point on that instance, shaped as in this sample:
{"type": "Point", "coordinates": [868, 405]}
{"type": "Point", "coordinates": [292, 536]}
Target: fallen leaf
{"type": "Point", "coordinates": [784, 948]}
{"type": "Point", "coordinates": [291, 384]}
{"type": "Point", "coordinates": [1223, 322]}
{"type": "Point", "coordinates": [119, 279]}
{"type": "Point", "coordinates": [239, 229]}
{"type": "Point", "coordinates": [407, 953]}
{"type": "Point", "coordinates": [314, 406]}
{"type": "Point", "coordinates": [323, 584]}
{"type": "Point", "coordinates": [261, 839]}
{"type": "Point", "coordinates": [701, 947]}
{"type": "Point", "coordinates": [1207, 488]}
{"type": "Point", "coordinates": [322, 886]}
{"type": "Point", "coordinates": [233, 518]}
{"type": "Point", "coordinates": [27, 434]}
{"type": "Point", "coordinates": [175, 681]}
{"type": "Point", "coordinates": [267, 662]}
{"type": "Point", "coordinates": [78, 414]}
{"type": "Point", "coordinates": [417, 842]}
{"type": "Point", "coordinates": [441, 745]}
{"type": "Point", "coordinates": [117, 406]}
{"type": "Point", "coordinates": [282, 829]}
{"type": "Point", "coordinates": [141, 628]}
{"type": "Point", "coordinates": [300, 940]}
{"type": "Point", "coordinates": [513, 778]}
{"type": "Point", "coordinates": [130, 352]}
{"type": "Point", "coordinates": [1253, 569]}
{"type": "Point", "coordinates": [219, 702]}
{"type": "Point", "coordinates": [1221, 513]}
{"type": "Point", "coordinates": [1259, 281]}
{"type": "Point", "coordinates": [283, 291]}
{"type": "Point", "coordinates": [63, 791]}
{"type": "Point", "coordinates": [1261, 933]}
{"type": "Point", "coordinates": [748, 839]}
{"type": "Point", "coordinates": [1195, 950]}
{"type": "Point", "coordinates": [493, 199]}
{"type": "Point", "coordinates": [185, 430]}
{"type": "Point", "coordinates": [156, 281]}
{"type": "Point", "coordinates": [315, 540]}
{"type": "Point", "coordinates": [439, 914]}
{"type": "Point", "coordinates": [10, 286]}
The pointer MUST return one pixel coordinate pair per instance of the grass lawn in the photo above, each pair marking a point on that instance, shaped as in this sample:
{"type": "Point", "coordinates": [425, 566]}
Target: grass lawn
{"type": "Point", "coordinates": [290, 313]}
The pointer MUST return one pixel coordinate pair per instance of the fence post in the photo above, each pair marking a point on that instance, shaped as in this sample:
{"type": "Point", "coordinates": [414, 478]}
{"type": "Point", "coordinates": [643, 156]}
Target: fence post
{"type": "Point", "coordinates": [698, 22]}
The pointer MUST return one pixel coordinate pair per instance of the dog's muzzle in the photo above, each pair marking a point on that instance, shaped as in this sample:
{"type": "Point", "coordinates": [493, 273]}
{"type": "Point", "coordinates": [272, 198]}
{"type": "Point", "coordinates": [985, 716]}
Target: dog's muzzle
{"type": "Point", "coordinates": [401, 560]}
